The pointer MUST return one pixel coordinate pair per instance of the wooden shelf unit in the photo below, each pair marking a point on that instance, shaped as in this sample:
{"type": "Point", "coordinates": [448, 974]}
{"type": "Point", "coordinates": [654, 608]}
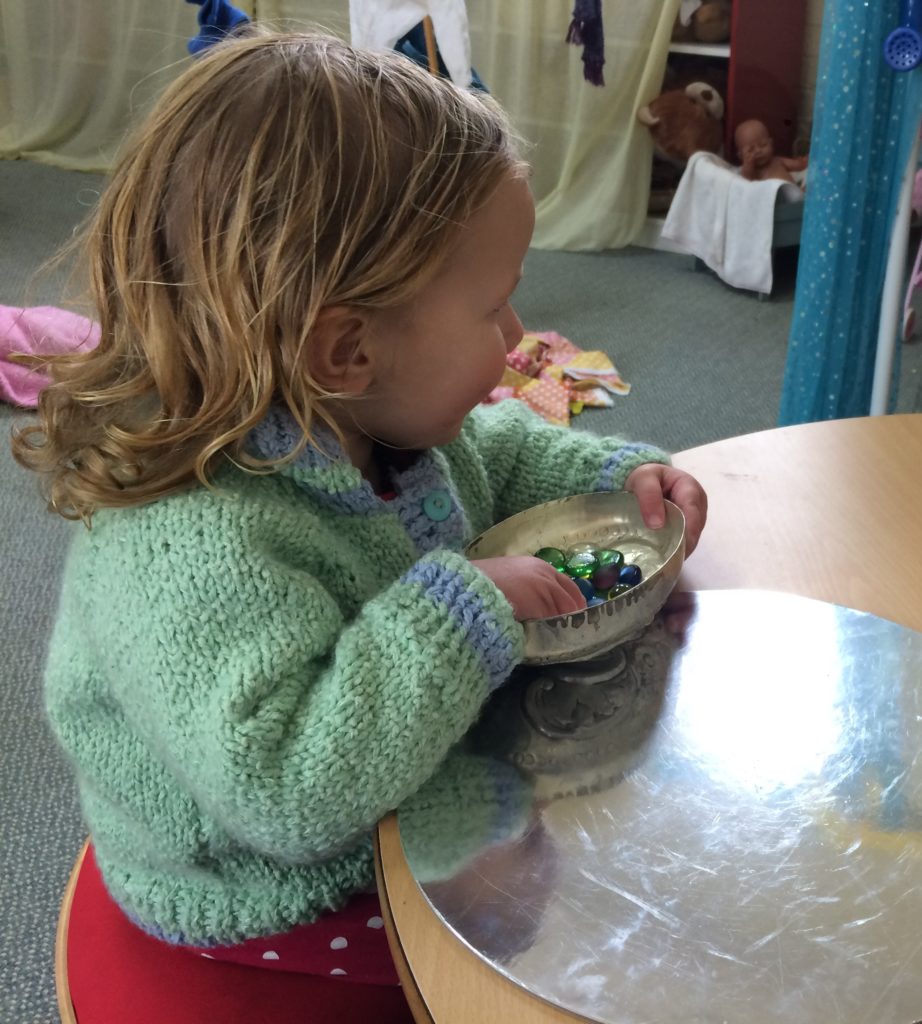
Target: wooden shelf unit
{"type": "Point", "coordinates": [702, 49]}
{"type": "Point", "coordinates": [764, 58]}
{"type": "Point", "coordinates": [764, 66]}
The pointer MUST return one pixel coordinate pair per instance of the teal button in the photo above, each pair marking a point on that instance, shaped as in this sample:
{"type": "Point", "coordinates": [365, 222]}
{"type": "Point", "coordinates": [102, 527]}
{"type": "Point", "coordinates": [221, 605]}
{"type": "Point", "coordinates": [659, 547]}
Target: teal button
{"type": "Point", "coordinates": [437, 506]}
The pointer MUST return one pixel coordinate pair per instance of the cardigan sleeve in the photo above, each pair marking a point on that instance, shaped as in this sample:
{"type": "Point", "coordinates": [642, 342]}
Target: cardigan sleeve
{"type": "Point", "coordinates": [291, 729]}
{"type": "Point", "coordinates": [529, 461]}
{"type": "Point", "coordinates": [473, 802]}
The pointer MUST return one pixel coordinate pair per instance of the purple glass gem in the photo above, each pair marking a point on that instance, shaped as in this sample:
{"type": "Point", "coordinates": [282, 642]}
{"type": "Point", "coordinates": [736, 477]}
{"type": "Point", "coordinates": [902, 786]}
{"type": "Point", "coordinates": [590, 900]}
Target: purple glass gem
{"type": "Point", "coordinates": [605, 578]}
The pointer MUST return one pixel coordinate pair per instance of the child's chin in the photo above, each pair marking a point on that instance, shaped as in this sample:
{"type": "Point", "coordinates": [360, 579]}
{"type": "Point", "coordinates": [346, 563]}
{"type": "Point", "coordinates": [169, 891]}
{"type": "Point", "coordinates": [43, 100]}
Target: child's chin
{"type": "Point", "coordinates": [447, 434]}
{"type": "Point", "coordinates": [423, 440]}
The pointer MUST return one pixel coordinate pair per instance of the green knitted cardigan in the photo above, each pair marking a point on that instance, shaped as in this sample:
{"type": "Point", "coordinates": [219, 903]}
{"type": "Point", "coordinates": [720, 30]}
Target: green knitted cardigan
{"type": "Point", "coordinates": [247, 678]}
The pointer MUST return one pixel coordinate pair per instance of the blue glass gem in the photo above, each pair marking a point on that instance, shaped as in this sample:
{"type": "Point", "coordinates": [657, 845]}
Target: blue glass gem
{"type": "Point", "coordinates": [631, 575]}
{"type": "Point", "coordinates": [585, 587]}
{"type": "Point", "coordinates": [437, 505]}
{"type": "Point", "coordinates": [593, 601]}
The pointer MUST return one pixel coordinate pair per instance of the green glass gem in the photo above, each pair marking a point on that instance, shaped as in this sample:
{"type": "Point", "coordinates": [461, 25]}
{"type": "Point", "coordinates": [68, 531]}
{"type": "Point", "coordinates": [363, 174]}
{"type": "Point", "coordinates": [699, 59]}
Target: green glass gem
{"type": "Point", "coordinates": [553, 556]}
{"type": "Point", "coordinates": [618, 589]}
{"type": "Point", "coordinates": [581, 563]}
{"type": "Point", "coordinates": [608, 557]}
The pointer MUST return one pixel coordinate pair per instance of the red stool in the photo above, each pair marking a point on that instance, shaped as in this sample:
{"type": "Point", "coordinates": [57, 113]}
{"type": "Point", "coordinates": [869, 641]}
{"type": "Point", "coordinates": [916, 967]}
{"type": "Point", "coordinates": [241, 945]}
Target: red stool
{"type": "Point", "coordinates": [107, 971]}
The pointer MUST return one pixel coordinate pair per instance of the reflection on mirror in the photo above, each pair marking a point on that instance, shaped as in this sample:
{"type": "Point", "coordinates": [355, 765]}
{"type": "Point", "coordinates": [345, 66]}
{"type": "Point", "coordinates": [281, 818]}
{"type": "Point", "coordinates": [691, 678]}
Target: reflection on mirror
{"type": "Point", "coordinates": [715, 822]}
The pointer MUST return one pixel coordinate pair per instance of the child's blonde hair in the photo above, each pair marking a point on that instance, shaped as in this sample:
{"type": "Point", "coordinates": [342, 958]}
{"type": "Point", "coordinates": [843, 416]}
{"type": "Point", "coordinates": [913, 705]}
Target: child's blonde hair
{"type": "Point", "coordinates": [278, 175]}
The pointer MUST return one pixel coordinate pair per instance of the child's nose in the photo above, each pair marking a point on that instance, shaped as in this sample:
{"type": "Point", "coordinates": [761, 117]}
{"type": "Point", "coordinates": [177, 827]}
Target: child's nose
{"type": "Point", "coordinates": [512, 328]}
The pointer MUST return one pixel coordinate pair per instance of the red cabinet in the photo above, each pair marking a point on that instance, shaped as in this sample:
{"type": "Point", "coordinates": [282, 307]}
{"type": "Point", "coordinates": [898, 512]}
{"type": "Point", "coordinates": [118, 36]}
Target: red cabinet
{"type": "Point", "coordinates": [764, 68]}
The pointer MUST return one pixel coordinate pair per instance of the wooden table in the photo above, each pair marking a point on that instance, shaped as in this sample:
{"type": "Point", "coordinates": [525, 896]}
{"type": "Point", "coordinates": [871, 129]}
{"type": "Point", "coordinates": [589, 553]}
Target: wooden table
{"type": "Point", "coordinates": [831, 511]}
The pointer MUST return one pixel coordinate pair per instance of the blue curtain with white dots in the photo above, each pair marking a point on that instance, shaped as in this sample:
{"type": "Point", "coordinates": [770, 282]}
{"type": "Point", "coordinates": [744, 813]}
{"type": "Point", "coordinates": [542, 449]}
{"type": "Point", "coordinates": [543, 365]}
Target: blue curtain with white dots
{"type": "Point", "coordinates": [865, 119]}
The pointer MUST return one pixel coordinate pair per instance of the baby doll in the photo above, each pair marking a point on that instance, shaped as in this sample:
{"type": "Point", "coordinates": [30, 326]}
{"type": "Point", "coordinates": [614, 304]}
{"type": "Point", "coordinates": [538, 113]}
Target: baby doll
{"type": "Point", "coordinates": [757, 151]}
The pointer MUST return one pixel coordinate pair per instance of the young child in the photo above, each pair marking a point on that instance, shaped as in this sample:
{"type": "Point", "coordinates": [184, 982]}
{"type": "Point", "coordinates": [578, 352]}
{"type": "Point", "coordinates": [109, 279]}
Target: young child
{"type": "Point", "coordinates": [757, 151]}
{"type": "Point", "coordinates": [268, 636]}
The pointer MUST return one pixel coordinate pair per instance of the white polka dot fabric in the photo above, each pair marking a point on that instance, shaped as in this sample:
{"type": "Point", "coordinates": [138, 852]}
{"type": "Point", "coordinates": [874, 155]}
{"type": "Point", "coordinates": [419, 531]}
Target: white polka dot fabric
{"type": "Point", "coordinates": [350, 944]}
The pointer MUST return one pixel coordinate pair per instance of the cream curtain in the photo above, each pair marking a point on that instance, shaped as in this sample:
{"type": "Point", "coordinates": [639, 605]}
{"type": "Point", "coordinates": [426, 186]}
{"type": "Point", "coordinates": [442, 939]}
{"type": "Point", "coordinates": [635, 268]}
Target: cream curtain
{"type": "Point", "coordinates": [591, 159]}
{"type": "Point", "coordinates": [75, 73]}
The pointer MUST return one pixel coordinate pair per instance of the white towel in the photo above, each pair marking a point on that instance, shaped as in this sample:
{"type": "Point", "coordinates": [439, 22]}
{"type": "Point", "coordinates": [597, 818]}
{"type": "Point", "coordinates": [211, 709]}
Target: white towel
{"type": "Point", "coordinates": [727, 221]}
{"type": "Point", "coordinates": [378, 24]}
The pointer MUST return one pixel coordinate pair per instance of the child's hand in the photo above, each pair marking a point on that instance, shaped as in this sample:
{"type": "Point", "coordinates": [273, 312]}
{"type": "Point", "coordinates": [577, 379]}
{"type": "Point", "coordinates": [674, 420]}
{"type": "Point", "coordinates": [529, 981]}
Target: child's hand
{"type": "Point", "coordinates": [652, 482]}
{"type": "Point", "coordinates": [534, 588]}
{"type": "Point", "coordinates": [677, 613]}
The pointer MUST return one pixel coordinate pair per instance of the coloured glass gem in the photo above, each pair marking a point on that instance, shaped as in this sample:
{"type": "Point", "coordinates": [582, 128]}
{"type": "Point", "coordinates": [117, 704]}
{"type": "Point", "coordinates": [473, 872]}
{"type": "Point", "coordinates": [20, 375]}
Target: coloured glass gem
{"type": "Point", "coordinates": [600, 573]}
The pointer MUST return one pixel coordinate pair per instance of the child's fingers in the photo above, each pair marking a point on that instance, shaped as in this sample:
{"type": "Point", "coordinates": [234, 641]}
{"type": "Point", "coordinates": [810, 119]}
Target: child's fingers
{"type": "Point", "coordinates": [648, 489]}
{"type": "Point", "coordinates": [691, 499]}
{"type": "Point", "coordinates": [694, 523]}
{"type": "Point", "coordinates": [557, 594]}
{"type": "Point", "coordinates": [569, 597]}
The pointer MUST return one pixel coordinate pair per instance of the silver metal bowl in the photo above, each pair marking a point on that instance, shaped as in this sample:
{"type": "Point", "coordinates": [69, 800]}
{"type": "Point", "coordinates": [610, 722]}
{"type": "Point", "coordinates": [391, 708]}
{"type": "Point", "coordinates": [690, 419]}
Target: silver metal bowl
{"type": "Point", "coordinates": [606, 519]}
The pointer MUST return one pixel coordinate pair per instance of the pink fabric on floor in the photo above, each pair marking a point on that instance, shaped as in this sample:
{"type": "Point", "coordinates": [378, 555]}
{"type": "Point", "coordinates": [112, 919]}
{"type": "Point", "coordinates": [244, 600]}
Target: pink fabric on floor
{"type": "Point", "coordinates": [37, 331]}
{"type": "Point", "coordinates": [556, 378]}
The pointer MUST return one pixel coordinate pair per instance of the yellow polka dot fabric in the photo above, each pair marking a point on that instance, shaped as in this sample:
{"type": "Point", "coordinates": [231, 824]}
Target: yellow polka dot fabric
{"type": "Point", "coordinates": [557, 378]}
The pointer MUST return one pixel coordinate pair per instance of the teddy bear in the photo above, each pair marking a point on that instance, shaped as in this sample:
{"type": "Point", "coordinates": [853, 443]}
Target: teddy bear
{"type": "Point", "coordinates": [703, 21]}
{"type": "Point", "coordinates": [684, 121]}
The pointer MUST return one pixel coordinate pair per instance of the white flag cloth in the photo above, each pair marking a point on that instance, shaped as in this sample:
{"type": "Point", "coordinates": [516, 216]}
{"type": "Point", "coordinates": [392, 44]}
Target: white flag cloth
{"type": "Point", "coordinates": [687, 10]}
{"type": "Point", "coordinates": [378, 24]}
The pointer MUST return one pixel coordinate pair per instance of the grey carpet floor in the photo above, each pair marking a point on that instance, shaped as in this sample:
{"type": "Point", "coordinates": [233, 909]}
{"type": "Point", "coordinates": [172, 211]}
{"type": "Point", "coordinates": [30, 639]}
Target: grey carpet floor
{"type": "Point", "coordinates": [705, 362]}
{"type": "Point", "coordinates": [39, 815]}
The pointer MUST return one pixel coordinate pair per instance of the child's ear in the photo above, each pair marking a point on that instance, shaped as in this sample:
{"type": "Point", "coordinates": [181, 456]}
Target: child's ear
{"type": "Point", "coordinates": [340, 354]}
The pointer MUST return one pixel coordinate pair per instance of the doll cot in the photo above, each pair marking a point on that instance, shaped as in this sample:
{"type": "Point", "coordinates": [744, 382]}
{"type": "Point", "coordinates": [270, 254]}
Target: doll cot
{"type": "Point", "coordinates": [107, 971]}
{"type": "Point", "coordinates": [788, 222]}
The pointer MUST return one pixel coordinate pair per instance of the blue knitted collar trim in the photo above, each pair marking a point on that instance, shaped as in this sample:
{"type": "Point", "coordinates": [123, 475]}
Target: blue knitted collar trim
{"type": "Point", "coordinates": [324, 470]}
{"type": "Point", "coordinates": [279, 434]}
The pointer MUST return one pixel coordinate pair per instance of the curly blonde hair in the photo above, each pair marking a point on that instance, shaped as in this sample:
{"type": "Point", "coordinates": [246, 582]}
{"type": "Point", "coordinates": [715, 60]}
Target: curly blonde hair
{"type": "Point", "coordinates": [278, 175]}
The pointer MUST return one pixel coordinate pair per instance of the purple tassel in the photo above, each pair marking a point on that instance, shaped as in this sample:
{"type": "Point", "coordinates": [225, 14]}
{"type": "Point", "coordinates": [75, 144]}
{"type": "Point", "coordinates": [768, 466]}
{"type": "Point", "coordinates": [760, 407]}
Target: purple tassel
{"type": "Point", "coordinates": [574, 33]}
{"type": "Point", "coordinates": [586, 30]}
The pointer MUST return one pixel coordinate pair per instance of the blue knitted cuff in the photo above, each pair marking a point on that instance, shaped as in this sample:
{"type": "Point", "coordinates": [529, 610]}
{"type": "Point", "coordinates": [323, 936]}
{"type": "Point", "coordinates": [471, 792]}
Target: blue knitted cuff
{"type": "Point", "coordinates": [496, 638]}
{"type": "Point", "coordinates": [623, 461]}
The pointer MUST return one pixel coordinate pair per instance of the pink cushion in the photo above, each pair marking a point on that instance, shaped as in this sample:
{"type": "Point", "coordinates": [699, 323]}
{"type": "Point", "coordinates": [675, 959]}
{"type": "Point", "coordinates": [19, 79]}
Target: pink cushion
{"type": "Point", "coordinates": [40, 331]}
